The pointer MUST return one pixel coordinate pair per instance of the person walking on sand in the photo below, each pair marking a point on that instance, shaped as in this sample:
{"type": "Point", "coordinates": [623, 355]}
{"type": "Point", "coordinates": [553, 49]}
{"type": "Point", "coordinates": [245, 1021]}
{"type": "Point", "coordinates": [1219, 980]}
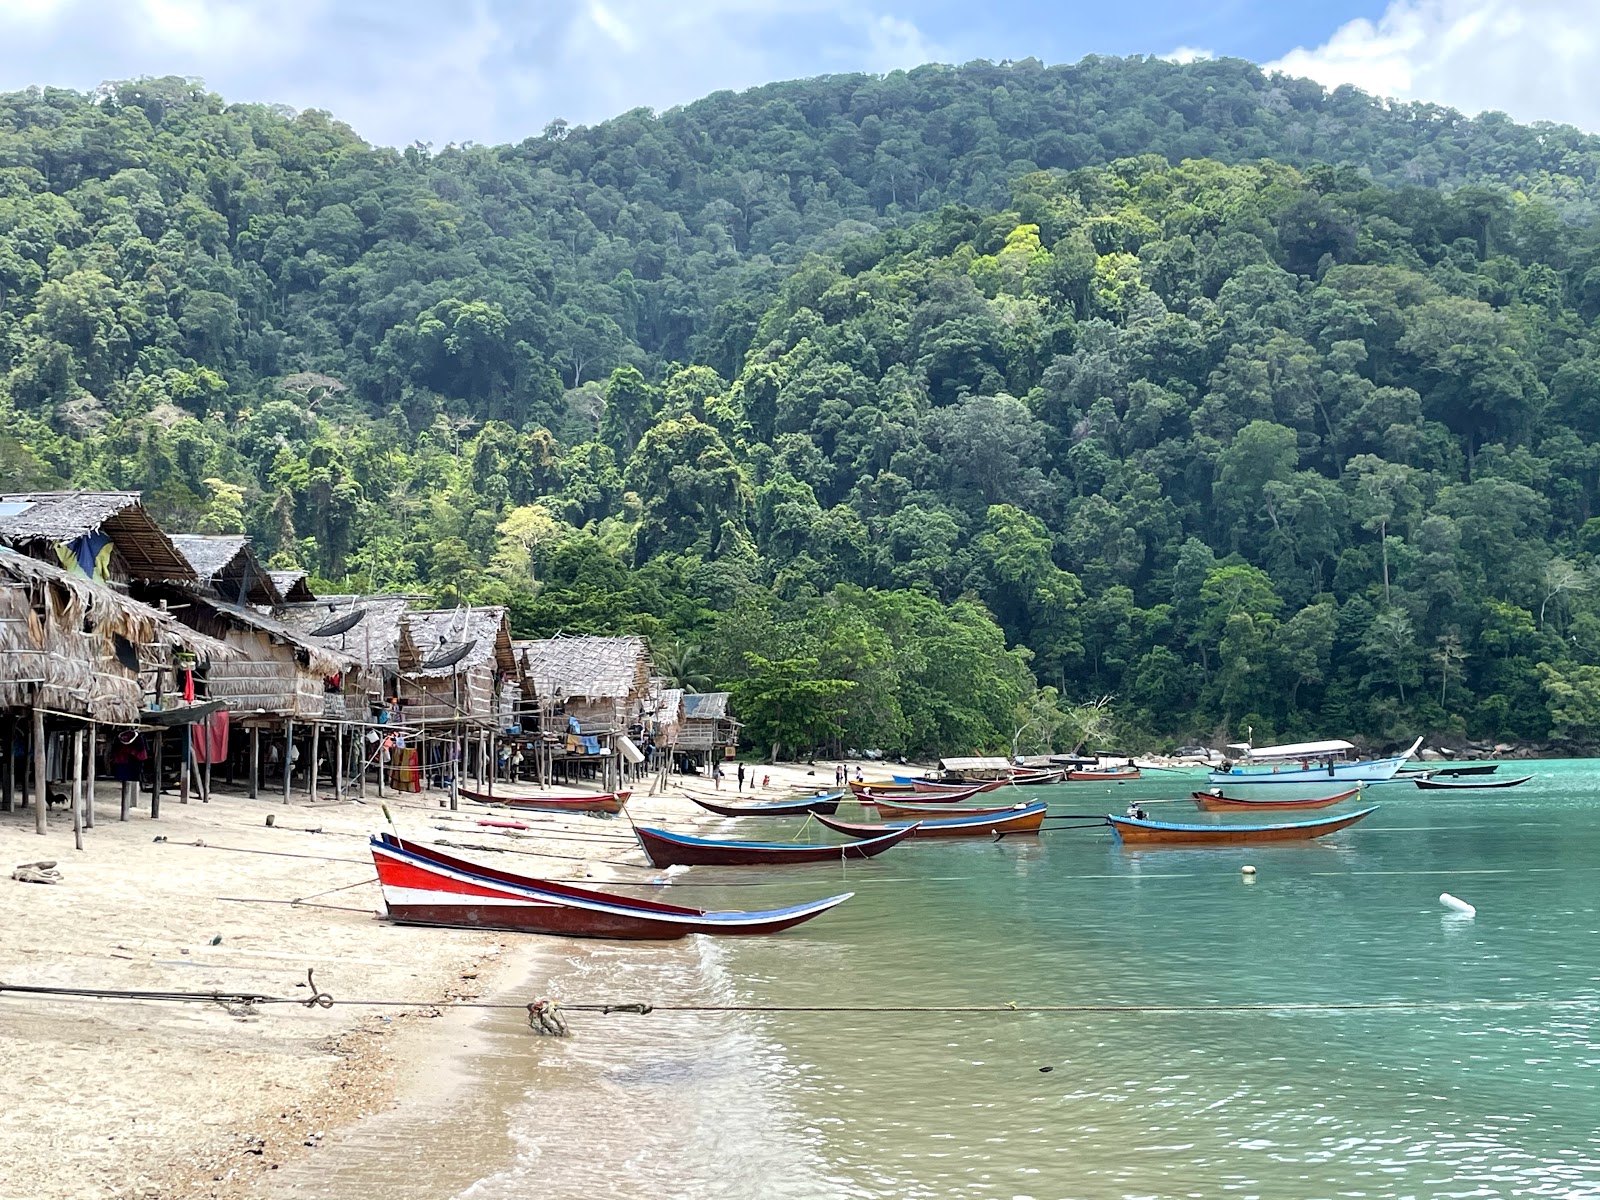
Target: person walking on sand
{"type": "Point", "coordinates": [741, 778]}
{"type": "Point", "coordinates": [716, 776]}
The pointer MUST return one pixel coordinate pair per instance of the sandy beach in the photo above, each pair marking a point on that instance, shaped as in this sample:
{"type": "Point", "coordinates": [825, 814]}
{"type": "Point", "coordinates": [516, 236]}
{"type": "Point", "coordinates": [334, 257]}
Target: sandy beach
{"type": "Point", "coordinates": [119, 1098]}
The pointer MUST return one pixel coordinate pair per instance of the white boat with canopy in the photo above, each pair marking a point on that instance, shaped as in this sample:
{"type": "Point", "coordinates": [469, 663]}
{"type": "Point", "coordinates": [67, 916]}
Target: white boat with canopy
{"type": "Point", "coordinates": [1314, 770]}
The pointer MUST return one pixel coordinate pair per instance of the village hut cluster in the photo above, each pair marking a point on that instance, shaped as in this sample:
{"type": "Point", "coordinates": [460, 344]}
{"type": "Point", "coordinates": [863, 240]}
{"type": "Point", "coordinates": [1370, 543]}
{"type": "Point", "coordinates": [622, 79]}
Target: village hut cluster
{"type": "Point", "coordinates": [166, 662]}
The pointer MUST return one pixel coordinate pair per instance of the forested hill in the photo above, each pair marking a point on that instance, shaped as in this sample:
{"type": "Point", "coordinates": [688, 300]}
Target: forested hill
{"type": "Point", "coordinates": [886, 401]}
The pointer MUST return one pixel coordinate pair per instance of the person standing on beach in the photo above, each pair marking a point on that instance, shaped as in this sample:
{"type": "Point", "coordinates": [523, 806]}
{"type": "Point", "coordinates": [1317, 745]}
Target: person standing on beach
{"type": "Point", "coordinates": [716, 776]}
{"type": "Point", "coordinates": [741, 778]}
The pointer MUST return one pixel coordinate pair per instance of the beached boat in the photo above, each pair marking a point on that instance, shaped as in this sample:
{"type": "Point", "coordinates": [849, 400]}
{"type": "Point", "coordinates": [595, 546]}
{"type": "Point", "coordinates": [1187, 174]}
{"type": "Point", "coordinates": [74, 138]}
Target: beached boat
{"type": "Point", "coordinates": [422, 886]}
{"type": "Point", "coordinates": [915, 810]}
{"type": "Point", "coordinates": [1302, 766]}
{"type": "Point", "coordinates": [1136, 832]}
{"type": "Point", "coordinates": [601, 802]}
{"type": "Point", "coordinates": [1026, 819]}
{"type": "Point", "coordinates": [775, 808]}
{"type": "Point", "coordinates": [1216, 802]}
{"type": "Point", "coordinates": [666, 849]}
{"type": "Point", "coordinates": [1115, 775]}
{"type": "Point", "coordinates": [1468, 785]}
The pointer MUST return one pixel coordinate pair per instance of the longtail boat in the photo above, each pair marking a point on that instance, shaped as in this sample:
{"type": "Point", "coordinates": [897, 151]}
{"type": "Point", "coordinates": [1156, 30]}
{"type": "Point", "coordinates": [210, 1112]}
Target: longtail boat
{"type": "Point", "coordinates": [777, 808]}
{"type": "Point", "coordinates": [1038, 778]}
{"type": "Point", "coordinates": [933, 787]}
{"type": "Point", "coordinates": [422, 886]}
{"type": "Point", "coordinates": [600, 802]}
{"type": "Point", "coordinates": [1438, 785]}
{"type": "Point", "coordinates": [1318, 764]}
{"type": "Point", "coordinates": [1135, 832]}
{"type": "Point", "coordinates": [1026, 819]}
{"type": "Point", "coordinates": [1115, 775]}
{"type": "Point", "coordinates": [877, 785]}
{"type": "Point", "coordinates": [666, 849]}
{"type": "Point", "coordinates": [894, 810]}
{"type": "Point", "coordinates": [1216, 802]}
{"type": "Point", "coordinates": [954, 796]}
{"type": "Point", "coordinates": [1440, 771]}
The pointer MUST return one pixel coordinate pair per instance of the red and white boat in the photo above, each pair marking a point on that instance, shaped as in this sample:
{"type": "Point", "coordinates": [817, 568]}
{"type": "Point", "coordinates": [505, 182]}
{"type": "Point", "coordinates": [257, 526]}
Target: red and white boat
{"type": "Point", "coordinates": [587, 802]}
{"type": "Point", "coordinates": [422, 886]}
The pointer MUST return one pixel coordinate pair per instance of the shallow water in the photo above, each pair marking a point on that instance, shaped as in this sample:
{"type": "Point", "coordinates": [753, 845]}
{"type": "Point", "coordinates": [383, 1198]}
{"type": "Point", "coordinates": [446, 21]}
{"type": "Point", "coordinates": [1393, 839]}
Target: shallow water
{"type": "Point", "coordinates": [1464, 1101]}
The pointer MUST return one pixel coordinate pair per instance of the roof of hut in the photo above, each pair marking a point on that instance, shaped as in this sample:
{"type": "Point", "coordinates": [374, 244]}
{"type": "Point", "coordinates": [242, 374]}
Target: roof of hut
{"type": "Point", "coordinates": [374, 638]}
{"type": "Point", "coordinates": [592, 667]}
{"type": "Point", "coordinates": [320, 658]}
{"type": "Point", "coordinates": [706, 706]}
{"type": "Point", "coordinates": [292, 586]}
{"type": "Point", "coordinates": [663, 702]}
{"type": "Point", "coordinates": [444, 641]}
{"type": "Point", "coordinates": [105, 607]}
{"type": "Point", "coordinates": [67, 516]}
{"type": "Point", "coordinates": [228, 564]}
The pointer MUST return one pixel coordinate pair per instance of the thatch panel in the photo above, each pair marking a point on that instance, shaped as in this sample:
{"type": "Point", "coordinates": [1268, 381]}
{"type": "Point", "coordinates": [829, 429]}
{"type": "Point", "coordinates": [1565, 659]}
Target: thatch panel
{"type": "Point", "coordinates": [266, 677]}
{"type": "Point", "coordinates": [467, 697]}
{"type": "Point", "coordinates": [147, 553]}
{"type": "Point", "coordinates": [561, 668]}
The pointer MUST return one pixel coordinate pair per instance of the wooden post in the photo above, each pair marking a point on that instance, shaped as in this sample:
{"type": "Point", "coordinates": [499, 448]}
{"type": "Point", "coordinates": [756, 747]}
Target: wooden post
{"type": "Point", "coordinates": [338, 762]}
{"type": "Point", "coordinates": [77, 789]}
{"type": "Point", "coordinates": [378, 757]}
{"type": "Point", "coordinates": [205, 778]}
{"type": "Point", "coordinates": [288, 747]}
{"type": "Point", "coordinates": [88, 783]}
{"type": "Point", "coordinates": [40, 804]}
{"type": "Point", "coordinates": [255, 761]}
{"type": "Point", "coordinates": [361, 760]}
{"type": "Point", "coordinates": [188, 763]}
{"type": "Point", "coordinates": [127, 786]}
{"type": "Point", "coordinates": [311, 774]}
{"type": "Point", "coordinates": [155, 792]}
{"type": "Point", "coordinates": [9, 802]}
{"type": "Point", "coordinates": [494, 759]}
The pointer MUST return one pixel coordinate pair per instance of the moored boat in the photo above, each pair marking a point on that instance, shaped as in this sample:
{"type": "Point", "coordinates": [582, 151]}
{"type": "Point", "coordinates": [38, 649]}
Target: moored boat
{"type": "Point", "coordinates": [1113, 775]}
{"type": "Point", "coordinates": [1026, 819]}
{"type": "Point", "coordinates": [1304, 764]}
{"type": "Point", "coordinates": [1468, 785]}
{"type": "Point", "coordinates": [422, 886]}
{"type": "Point", "coordinates": [877, 785]}
{"type": "Point", "coordinates": [952, 796]}
{"type": "Point", "coordinates": [776, 808]}
{"type": "Point", "coordinates": [1136, 832]}
{"type": "Point", "coordinates": [893, 810]}
{"type": "Point", "coordinates": [667, 849]}
{"type": "Point", "coordinates": [593, 802]}
{"type": "Point", "coordinates": [1217, 802]}
{"type": "Point", "coordinates": [1036, 778]}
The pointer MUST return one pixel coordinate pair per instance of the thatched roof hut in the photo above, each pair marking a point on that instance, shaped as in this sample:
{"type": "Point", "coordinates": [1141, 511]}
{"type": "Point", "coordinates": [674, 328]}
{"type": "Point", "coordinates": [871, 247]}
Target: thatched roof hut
{"type": "Point", "coordinates": [451, 662]}
{"type": "Point", "coordinates": [366, 627]}
{"type": "Point", "coordinates": [599, 680]}
{"type": "Point", "coordinates": [292, 586]}
{"type": "Point", "coordinates": [81, 648]}
{"type": "Point", "coordinates": [662, 712]}
{"type": "Point", "coordinates": [706, 723]}
{"type": "Point", "coordinates": [104, 535]}
{"type": "Point", "coordinates": [227, 566]}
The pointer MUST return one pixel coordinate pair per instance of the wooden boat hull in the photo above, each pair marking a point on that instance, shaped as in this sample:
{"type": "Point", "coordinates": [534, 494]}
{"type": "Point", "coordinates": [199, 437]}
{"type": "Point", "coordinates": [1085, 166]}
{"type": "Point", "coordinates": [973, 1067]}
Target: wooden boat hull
{"type": "Point", "coordinates": [1134, 832]}
{"type": "Point", "coordinates": [873, 796]}
{"type": "Point", "coordinates": [929, 787]}
{"type": "Point", "coordinates": [1036, 778]}
{"type": "Point", "coordinates": [1477, 785]}
{"type": "Point", "coordinates": [423, 887]}
{"type": "Point", "coordinates": [602, 802]}
{"type": "Point", "coordinates": [1027, 819]}
{"type": "Point", "coordinates": [780, 808]}
{"type": "Point", "coordinates": [666, 849]}
{"type": "Point", "coordinates": [1103, 776]}
{"type": "Point", "coordinates": [858, 786]}
{"type": "Point", "coordinates": [1211, 802]}
{"type": "Point", "coordinates": [891, 810]}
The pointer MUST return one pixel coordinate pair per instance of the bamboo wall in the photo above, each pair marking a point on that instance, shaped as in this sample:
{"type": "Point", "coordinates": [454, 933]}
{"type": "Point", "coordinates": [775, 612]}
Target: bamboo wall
{"type": "Point", "coordinates": [267, 677]}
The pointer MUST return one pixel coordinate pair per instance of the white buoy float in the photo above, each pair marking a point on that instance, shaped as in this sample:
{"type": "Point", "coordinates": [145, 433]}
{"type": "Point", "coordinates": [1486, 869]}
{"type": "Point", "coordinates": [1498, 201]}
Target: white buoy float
{"type": "Point", "coordinates": [1455, 904]}
{"type": "Point", "coordinates": [1247, 870]}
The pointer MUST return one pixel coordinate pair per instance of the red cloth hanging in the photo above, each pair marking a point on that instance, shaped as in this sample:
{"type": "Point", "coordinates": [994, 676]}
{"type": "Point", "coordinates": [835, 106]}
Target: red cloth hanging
{"type": "Point", "coordinates": [211, 738]}
{"type": "Point", "coordinates": [188, 687]}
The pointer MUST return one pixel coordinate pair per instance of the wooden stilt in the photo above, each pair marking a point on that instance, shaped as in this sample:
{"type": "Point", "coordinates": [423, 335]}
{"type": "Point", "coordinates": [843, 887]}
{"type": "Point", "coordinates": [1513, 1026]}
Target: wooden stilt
{"type": "Point", "coordinates": [40, 805]}
{"type": "Point", "coordinates": [77, 789]}
{"type": "Point", "coordinates": [494, 759]}
{"type": "Point", "coordinates": [255, 761]}
{"type": "Point", "coordinates": [155, 792]}
{"type": "Point", "coordinates": [361, 761]}
{"type": "Point", "coordinates": [127, 786]}
{"type": "Point", "coordinates": [187, 764]}
{"type": "Point", "coordinates": [8, 803]}
{"type": "Point", "coordinates": [288, 748]}
{"type": "Point", "coordinates": [311, 772]}
{"type": "Point", "coordinates": [205, 778]}
{"type": "Point", "coordinates": [338, 762]}
{"type": "Point", "coordinates": [88, 782]}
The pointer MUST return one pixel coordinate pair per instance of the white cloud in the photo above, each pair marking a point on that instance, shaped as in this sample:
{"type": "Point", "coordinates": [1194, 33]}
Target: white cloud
{"type": "Point", "coordinates": [1533, 59]}
{"type": "Point", "coordinates": [441, 71]}
{"type": "Point", "coordinates": [1188, 54]}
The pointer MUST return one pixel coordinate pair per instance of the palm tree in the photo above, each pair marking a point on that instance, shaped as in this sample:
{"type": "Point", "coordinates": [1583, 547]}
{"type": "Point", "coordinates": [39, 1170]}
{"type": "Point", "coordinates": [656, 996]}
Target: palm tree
{"type": "Point", "coordinates": [679, 664]}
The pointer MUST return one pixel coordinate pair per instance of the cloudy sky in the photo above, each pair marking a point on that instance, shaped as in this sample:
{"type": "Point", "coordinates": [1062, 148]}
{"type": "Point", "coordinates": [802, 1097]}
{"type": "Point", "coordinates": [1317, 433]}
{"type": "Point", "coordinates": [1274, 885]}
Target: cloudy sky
{"type": "Point", "coordinates": [498, 70]}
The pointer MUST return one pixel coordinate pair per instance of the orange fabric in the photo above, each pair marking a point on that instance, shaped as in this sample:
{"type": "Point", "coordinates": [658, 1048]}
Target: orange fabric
{"type": "Point", "coordinates": [405, 775]}
{"type": "Point", "coordinates": [211, 738]}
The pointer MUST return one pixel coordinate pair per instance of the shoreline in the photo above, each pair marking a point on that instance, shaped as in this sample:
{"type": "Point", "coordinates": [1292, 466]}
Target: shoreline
{"type": "Point", "coordinates": [194, 1102]}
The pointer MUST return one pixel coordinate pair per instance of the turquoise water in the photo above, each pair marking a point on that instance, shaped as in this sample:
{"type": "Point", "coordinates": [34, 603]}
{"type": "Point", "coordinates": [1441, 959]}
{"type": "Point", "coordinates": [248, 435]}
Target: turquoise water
{"type": "Point", "coordinates": [1468, 1101]}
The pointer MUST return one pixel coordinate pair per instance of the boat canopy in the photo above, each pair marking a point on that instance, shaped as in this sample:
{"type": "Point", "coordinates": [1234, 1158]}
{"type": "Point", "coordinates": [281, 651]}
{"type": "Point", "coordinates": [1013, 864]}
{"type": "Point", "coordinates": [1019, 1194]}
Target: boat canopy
{"type": "Point", "coordinates": [1294, 751]}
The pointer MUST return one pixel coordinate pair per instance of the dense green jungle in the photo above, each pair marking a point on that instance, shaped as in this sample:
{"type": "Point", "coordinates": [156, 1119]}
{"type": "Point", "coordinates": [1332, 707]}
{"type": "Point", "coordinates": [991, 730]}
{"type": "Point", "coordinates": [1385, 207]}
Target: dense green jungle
{"type": "Point", "coordinates": [983, 407]}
